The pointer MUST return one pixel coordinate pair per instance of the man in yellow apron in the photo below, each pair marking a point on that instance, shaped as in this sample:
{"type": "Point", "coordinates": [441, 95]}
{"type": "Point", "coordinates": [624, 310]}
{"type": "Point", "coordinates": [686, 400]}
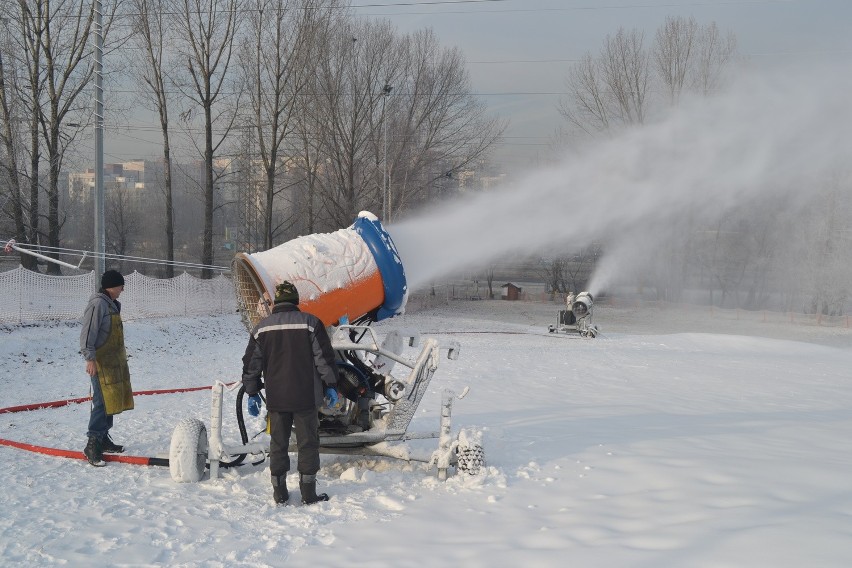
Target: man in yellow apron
{"type": "Point", "coordinates": [102, 346]}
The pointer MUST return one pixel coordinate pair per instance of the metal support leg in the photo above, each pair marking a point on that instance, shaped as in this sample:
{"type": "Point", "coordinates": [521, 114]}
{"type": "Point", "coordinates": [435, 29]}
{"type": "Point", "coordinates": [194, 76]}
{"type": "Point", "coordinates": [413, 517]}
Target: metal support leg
{"type": "Point", "coordinates": [215, 428]}
{"type": "Point", "coordinates": [445, 440]}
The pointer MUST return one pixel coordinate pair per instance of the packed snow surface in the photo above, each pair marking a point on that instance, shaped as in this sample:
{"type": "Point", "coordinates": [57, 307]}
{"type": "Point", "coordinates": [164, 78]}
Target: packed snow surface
{"type": "Point", "coordinates": [667, 441]}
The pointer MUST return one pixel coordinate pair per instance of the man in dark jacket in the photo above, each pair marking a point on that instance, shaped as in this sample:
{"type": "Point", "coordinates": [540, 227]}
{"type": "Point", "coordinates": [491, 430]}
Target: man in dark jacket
{"type": "Point", "coordinates": [293, 352]}
{"type": "Point", "coordinates": [102, 346]}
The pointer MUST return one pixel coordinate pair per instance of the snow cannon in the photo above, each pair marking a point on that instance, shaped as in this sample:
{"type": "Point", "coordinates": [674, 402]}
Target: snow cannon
{"type": "Point", "coordinates": [582, 304]}
{"type": "Point", "coordinates": [577, 317]}
{"type": "Point", "coordinates": [351, 275]}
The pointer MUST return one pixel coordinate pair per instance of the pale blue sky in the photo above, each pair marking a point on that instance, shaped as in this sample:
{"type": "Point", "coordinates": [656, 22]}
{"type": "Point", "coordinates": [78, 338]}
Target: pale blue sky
{"type": "Point", "coordinates": [519, 51]}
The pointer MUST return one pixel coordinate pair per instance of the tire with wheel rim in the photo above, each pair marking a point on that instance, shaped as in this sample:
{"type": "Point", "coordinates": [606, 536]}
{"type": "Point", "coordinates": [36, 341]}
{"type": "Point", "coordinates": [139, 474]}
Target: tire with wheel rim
{"type": "Point", "coordinates": [470, 459]}
{"type": "Point", "coordinates": [188, 451]}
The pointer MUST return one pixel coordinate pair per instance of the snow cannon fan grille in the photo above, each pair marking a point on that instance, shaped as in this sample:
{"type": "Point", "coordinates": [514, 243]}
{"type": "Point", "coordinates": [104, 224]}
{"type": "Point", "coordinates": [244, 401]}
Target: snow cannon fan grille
{"type": "Point", "coordinates": [249, 289]}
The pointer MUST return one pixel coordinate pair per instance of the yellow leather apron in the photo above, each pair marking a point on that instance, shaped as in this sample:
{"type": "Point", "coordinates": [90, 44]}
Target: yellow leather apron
{"type": "Point", "coordinates": [113, 373]}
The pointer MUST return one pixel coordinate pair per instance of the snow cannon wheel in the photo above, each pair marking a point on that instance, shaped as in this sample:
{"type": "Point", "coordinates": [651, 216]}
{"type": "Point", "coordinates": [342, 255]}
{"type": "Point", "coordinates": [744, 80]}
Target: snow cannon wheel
{"type": "Point", "coordinates": [188, 451]}
{"type": "Point", "coordinates": [470, 459]}
{"type": "Point", "coordinates": [590, 333]}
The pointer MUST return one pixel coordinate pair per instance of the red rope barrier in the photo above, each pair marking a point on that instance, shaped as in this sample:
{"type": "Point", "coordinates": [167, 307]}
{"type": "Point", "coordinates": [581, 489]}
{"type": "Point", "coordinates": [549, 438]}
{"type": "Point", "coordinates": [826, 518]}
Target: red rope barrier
{"type": "Point", "coordinates": [137, 460]}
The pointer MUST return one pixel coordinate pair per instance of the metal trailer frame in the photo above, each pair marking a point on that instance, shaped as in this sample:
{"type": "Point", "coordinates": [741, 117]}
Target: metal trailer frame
{"type": "Point", "coordinates": [191, 450]}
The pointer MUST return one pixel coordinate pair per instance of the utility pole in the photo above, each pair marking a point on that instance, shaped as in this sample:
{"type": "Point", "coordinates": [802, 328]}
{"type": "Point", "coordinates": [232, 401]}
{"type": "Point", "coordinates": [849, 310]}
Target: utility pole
{"type": "Point", "coordinates": [386, 197]}
{"type": "Point", "coordinates": [100, 229]}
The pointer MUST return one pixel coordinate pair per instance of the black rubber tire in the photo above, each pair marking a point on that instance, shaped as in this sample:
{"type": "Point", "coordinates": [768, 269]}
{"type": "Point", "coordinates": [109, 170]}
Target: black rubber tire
{"type": "Point", "coordinates": [188, 451]}
{"type": "Point", "coordinates": [470, 459]}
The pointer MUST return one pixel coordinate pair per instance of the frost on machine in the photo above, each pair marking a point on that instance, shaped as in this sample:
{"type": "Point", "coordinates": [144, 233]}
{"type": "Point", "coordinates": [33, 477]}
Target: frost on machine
{"type": "Point", "coordinates": [348, 279]}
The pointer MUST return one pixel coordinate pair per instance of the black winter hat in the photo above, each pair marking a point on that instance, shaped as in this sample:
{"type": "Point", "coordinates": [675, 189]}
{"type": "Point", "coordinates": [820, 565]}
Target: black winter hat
{"type": "Point", "coordinates": [112, 279]}
{"type": "Point", "coordinates": [286, 292]}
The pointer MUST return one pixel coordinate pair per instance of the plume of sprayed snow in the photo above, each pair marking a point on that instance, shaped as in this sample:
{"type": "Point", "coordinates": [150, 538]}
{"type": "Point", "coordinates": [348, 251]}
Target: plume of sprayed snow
{"type": "Point", "coordinates": [768, 136]}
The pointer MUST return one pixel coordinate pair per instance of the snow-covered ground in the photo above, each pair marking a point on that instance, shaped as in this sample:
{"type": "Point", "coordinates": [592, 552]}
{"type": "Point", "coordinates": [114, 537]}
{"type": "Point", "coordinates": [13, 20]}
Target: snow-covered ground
{"type": "Point", "coordinates": [671, 440]}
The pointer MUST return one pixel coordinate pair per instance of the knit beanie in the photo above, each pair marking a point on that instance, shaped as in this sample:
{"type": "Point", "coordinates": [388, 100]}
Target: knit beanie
{"type": "Point", "coordinates": [286, 292]}
{"type": "Point", "coordinates": [112, 279]}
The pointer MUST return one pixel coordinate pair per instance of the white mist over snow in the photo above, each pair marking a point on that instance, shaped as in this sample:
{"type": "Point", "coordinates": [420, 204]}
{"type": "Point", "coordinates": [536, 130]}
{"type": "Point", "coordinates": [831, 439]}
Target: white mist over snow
{"type": "Point", "coordinates": [770, 136]}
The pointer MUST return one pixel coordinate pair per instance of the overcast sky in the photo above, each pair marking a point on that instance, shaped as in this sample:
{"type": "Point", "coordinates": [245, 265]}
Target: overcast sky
{"type": "Point", "coordinates": [519, 51]}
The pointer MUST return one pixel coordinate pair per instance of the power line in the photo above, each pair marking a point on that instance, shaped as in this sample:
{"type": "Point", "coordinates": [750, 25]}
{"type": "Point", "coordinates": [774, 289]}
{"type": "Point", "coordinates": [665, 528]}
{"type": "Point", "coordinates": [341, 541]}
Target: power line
{"type": "Point", "coordinates": [120, 16]}
{"type": "Point", "coordinates": [563, 8]}
{"type": "Point", "coordinates": [59, 251]}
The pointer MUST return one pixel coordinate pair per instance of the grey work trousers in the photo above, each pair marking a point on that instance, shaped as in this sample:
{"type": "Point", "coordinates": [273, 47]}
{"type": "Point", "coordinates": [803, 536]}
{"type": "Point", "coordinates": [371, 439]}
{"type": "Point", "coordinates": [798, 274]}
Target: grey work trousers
{"type": "Point", "coordinates": [281, 424]}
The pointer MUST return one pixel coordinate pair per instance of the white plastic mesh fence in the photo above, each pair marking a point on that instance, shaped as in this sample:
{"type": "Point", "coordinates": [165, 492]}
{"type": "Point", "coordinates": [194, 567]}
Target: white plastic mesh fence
{"type": "Point", "coordinates": [31, 296]}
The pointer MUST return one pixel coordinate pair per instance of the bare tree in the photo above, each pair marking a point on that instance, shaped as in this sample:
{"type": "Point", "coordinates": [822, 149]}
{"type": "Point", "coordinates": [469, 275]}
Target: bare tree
{"type": "Point", "coordinates": [570, 272]}
{"type": "Point", "coordinates": [674, 50]}
{"type": "Point", "coordinates": [48, 49]}
{"type": "Point", "coordinates": [328, 23]}
{"type": "Point", "coordinates": [12, 175]}
{"type": "Point", "coordinates": [275, 70]}
{"type": "Point", "coordinates": [610, 90]}
{"type": "Point", "coordinates": [122, 221]}
{"type": "Point", "coordinates": [715, 55]}
{"type": "Point", "coordinates": [26, 31]}
{"type": "Point", "coordinates": [691, 57]}
{"type": "Point", "coordinates": [65, 49]}
{"type": "Point", "coordinates": [433, 120]}
{"type": "Point", "coordinates": [206, 33]}
{"type": "Point", "coordinates": [151, 27]}
{"type": "Point", "coordinates": [626, 71]}
{"type": "Point", "coordinates": [391, 106]}
{"type": "Point", "coordinates": [586, 106]}
{"type": "Point", "coordinates": [350, 80]}
{"type": "Point", "coordinates": [489, 279]}
{"type": "Point", "coordinates": [822, 259]}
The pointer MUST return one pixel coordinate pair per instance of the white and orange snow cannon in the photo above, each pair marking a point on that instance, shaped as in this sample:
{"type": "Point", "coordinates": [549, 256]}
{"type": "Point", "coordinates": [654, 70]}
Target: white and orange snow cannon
{"type": "Point", "coordinates": [352, 275]}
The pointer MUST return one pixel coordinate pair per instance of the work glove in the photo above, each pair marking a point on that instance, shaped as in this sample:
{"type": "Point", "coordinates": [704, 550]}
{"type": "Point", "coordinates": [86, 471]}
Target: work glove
{"type": "Point", "coordinates": [331, 396]}
{"type": "Point", "coordinates": [254, 404]}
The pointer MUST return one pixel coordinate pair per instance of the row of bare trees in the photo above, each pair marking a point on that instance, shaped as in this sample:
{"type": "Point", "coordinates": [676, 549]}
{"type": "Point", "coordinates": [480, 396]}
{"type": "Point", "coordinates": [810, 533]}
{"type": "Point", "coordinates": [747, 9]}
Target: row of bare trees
{"type": "Point", "coordinates": [316, 114]}
{"type": "Point", "coordinates": [45, 67]}
{"type": "Point", "coordinates": [632, 77]}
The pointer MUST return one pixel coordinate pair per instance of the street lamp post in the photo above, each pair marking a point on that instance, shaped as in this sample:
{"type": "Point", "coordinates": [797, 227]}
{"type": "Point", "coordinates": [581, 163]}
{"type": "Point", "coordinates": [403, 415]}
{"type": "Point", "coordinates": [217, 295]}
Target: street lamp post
{"type": "Point", "coordinates": [386, 198]}
{"type": "Point", "coordinates": [100, 222]}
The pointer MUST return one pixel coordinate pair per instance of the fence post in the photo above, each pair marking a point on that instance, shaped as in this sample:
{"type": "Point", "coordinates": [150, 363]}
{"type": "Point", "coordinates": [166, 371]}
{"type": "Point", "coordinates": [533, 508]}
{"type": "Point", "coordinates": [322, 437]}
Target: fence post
{"type": "Point", "coordinates": [19, 288]}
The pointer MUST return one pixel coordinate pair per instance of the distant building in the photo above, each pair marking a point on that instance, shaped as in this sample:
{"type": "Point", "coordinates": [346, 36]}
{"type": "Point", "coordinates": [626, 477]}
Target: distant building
{"type": "Point", "coordinates": [127, 175]}
{"type": "Point", "coordinates": [511, 292]}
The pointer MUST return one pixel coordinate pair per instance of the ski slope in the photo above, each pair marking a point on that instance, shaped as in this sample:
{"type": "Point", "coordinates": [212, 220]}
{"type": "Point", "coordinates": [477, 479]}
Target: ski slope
{"type": "Point", "coordinates": [669, 441]}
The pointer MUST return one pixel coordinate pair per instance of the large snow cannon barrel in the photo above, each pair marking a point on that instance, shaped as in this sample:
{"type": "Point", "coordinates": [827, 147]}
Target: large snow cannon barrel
{"type": "Point", "coordinates": [350, 273]}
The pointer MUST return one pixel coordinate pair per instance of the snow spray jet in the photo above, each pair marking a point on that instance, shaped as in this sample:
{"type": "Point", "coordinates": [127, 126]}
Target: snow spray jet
{"type": "Point", "coordinates": [769, 136]}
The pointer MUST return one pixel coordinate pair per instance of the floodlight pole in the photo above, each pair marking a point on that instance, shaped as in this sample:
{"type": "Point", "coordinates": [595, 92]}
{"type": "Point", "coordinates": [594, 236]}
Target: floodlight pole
{"type": "Point", "coordinates": [386, 200]}
{"type": "Point", "coordinates": [100, 230]}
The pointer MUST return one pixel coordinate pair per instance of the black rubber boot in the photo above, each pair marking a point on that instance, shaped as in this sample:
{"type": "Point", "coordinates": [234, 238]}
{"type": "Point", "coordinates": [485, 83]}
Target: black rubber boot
{"type": "Point", "coordinates": [279, 489]}
{"type": "Point", "coordinates": [308, 487]}
{"type": "Point", "coordinates": [94, 453]}
{"type": "Point", "coordinates": [110, 447]}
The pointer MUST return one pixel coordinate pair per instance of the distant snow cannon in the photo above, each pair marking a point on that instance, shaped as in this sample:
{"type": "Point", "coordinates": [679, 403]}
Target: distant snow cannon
{"type": "Point", "coordinates": [577, 317]}
{"type": "Point", "coordinates": [354, 274]}
{"type": "Point", "coordinates": [582, 305]}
